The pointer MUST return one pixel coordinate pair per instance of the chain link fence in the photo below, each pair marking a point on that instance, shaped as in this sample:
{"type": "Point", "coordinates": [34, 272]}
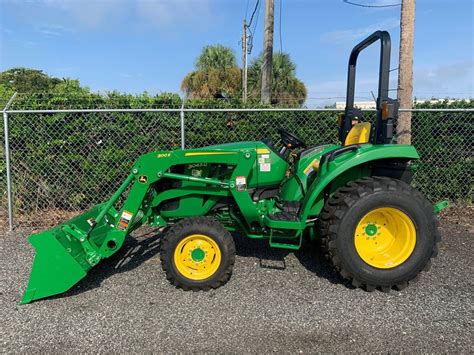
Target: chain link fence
{"type": "Point", "coordinates": [68, 160]}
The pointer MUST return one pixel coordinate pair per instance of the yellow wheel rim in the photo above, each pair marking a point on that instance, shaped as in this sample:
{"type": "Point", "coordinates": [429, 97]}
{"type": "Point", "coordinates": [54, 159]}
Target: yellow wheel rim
{"type": "Point", "coordinates": [197, 257]}
{"type": "Point", "coordinates": [385, 237]}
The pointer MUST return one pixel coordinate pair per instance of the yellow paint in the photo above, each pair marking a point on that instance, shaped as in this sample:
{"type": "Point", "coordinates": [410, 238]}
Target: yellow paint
{"type": "Point", "coordinates": [163, 155]}
{"type": "Point", "coordinates": [359, 133]}
{"type": "Point", "coordinates": [197, 270]}
{"type": "Point", "coordinates": [263, 151]}
{"type": "Point", "coordinates": [208, 153]}
{"type": "Point", "coordinates": [385, 237]}
{"type": "Point", "coordinates": [314, 165]}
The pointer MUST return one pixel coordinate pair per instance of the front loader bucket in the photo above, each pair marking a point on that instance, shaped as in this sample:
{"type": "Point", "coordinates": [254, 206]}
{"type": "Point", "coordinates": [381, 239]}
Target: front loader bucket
{"type": "Point", "coordinates": [66, 253]}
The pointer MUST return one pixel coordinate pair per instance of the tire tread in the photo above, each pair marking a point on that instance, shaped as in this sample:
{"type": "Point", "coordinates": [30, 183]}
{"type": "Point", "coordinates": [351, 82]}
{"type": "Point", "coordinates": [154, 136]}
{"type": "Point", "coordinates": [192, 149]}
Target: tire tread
{"type": "Point", "coordinates": [338, 205]}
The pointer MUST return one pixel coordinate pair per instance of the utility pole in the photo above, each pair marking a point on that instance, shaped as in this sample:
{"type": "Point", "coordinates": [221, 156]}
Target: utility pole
{"type": "Point", "coordinates": [244, 62]}
{"type": "Point", "coordinates": [267, 52]}
{"type": "Point", "coordinates": [405, 70]}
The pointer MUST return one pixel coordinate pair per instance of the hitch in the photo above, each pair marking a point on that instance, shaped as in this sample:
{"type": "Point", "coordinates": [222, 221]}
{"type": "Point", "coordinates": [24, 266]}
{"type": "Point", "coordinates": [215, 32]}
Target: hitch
{"type": "Point", "coordinates": [438, 207]}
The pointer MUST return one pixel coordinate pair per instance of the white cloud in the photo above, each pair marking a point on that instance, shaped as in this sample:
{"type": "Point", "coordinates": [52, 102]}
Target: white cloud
{"type": "Point", "coordinates": [451, 79]}
{"type": "Point", "coordinates": [455, 80]}
{"type": "Point", "coordinates": [162, 13]}
{"type": "Point", "coordinates": [351, 35]}
{"type": "Point", "coordinates": [100, 14]}
{"type": "Point", "coordinates": [89, 13]}
{"type": "Point", "coordinates": [52, 29]}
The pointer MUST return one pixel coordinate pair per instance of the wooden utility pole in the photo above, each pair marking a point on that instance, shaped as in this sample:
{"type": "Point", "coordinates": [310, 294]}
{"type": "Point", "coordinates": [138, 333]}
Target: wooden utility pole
{"type": "Point", "coordinates": [244, 62]}
{"type": "Point", "coordinates": [267, 52]}
{"type": "Point", "coordinates": [405, 70]}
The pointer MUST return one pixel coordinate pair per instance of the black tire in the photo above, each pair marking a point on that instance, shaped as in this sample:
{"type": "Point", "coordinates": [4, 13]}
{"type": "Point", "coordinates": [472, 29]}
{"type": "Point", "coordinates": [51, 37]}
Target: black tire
{"type": "Point", "coordinates": [346, 208]}
{"type": "Point", "coordinates": [210, 228]}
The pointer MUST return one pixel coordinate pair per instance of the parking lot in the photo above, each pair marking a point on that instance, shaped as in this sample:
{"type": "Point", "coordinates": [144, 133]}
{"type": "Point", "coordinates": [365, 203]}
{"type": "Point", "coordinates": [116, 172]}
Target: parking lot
{"type": "Point", "coordinates": [275, 301]}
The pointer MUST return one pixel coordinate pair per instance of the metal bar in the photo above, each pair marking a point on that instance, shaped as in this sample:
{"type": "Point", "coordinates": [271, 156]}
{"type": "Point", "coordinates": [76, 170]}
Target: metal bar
{"type": "Point", "coordinates": [7, 162]}
{"type": "Point", "coordinates": [97, 110]}
{"type": "Point", "coordinates": [231, 110]}
{"type": "Point", "coordinates": [183, 143]}
{"type": "Point", "coordinates": [114, 198]}
{"type": "Point", "coordinates": [436, 110]}
{"type": "Point", "coordinates": [195, 179]}
{"type": "Point", "coordinates": [179, 110]}
{"type": "Point", "coordinates": [264, 110]}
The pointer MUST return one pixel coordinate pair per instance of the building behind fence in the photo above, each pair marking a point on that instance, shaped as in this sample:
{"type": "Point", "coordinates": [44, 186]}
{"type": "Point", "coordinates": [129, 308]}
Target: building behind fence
{"type": "Point", "coordinates": [70, 159]}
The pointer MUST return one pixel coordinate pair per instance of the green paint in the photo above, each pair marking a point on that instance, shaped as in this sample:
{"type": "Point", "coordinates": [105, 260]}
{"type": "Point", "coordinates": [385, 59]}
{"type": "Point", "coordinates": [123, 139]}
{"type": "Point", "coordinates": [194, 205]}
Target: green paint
{"type": "Point", "coordinates": [66, 253]}
{"type": "Point", "coordinates": [198, 255]}
{"type": "Point", "coordinates": [438, 207]}
{"type": "Point", "coordinates": [370, 229]}
{"type": "Point", "coordinates": [202, 182]}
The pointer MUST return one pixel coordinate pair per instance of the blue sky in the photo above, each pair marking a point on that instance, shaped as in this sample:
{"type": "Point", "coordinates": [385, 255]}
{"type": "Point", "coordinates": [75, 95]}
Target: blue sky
{"type": "Point", "coordinates": [138, 45]}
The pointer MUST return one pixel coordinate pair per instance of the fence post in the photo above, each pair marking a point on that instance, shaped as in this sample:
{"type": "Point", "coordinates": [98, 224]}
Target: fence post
{"type": "Point", "coordinates": [7, 162]}
{"type": "Point", "coordinates": [183, 141]}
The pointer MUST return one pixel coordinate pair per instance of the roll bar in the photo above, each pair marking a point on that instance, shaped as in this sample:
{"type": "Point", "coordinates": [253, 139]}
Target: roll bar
{"type": "Point", "coordinates": [383, 128]}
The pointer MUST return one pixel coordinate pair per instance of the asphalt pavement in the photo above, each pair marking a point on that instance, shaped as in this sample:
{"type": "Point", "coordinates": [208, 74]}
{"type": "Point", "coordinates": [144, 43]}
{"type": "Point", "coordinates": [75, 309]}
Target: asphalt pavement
{"type": "Point", "coordinates": [276, 301]}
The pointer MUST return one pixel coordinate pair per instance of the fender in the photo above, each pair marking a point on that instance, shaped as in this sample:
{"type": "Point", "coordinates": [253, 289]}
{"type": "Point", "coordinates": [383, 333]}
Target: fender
{"type": "Point", "coordinates": [342, 163]}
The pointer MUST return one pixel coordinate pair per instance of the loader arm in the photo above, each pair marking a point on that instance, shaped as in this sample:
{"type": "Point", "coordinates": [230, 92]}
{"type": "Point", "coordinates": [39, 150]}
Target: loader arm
{"type": "Point", "coordinates": [67, 252]}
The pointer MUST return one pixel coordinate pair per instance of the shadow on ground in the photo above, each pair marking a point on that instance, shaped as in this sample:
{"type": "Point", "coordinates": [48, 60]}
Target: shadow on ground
{"type": "Point", "coordinates": [145, 245]}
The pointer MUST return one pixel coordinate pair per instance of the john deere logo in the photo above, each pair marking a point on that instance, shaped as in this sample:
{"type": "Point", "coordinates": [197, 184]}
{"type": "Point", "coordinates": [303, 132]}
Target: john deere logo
{"type": "Point", "coordinates": [142, 179]}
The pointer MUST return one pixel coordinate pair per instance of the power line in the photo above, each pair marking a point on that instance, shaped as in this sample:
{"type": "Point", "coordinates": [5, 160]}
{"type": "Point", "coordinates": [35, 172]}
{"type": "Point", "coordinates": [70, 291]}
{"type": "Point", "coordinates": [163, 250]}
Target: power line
{"type": "Point", "coordinates": [362, 5]}
{"type": "Point", "coordinates": [252, 31]}
{"type": "Point", "coordinates": [247, 9]}
{"type": "Point", "coordinates": [256, 19]}
{"type": "Point", "coordinates": [253, 13]}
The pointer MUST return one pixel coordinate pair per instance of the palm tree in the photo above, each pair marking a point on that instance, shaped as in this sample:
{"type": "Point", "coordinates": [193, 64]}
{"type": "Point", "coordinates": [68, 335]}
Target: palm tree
{"type": "Point", "coordinates": [216, 74]}
{"type": "Point", "coordinates": [286, 87]}
{"type": "Point", "coordinates": [216, 57]}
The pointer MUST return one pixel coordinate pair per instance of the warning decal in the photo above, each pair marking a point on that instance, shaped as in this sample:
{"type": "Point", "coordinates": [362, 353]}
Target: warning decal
{"type": "Point", "coordinates": [264, 162]}
{"type": "Point", "coordinates": [314, 165]}
{"type": "Point", "coordinates": [124, 220]}
{"type": "Point", "coordinates": [241, 183]}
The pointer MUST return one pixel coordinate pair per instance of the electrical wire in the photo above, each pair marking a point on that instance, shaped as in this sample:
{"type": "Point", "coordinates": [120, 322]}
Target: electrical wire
{"type": "Point", "coordinates": [252, 31]}
{"type": "Point", "coordinates": [253, 13]}
{"type": "Point", "coordinates": [362, 5]}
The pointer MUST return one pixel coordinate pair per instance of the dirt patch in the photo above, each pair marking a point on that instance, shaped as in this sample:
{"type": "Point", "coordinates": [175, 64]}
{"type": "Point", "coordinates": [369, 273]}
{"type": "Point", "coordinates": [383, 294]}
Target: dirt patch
{"type": "Point", "coordinates": [460, 215]}
{"type": "Point", "coordinates": [38, 220]}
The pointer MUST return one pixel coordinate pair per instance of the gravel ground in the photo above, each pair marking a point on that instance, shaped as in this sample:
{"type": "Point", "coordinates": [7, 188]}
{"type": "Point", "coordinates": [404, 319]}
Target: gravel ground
{"type": "Point", "coordinates": [275, 301]}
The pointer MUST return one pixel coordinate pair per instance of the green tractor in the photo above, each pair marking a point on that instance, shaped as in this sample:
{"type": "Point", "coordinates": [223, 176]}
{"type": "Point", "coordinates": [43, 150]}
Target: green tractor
{"type": "Point", "coordinates": [355, 197]}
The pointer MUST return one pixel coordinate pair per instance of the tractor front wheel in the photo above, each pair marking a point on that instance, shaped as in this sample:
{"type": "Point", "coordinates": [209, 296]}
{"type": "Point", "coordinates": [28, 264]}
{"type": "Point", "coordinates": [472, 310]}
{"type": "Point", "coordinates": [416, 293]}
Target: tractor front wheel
{"type": "Point", "coordinates": [379, 233]}
{"type": "Point", "coordinates": [197, 254]}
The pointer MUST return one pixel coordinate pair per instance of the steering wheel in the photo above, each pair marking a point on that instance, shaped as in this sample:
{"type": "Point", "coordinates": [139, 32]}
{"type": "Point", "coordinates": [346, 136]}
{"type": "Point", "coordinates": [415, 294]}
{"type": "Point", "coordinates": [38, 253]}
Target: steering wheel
{"type": "Point", "coordinates": [290, 140]}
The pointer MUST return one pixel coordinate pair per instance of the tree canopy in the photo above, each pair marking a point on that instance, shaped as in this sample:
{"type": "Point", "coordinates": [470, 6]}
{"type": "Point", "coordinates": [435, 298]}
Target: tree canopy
{"type": "Point", "coordinates": [286, 87]}
{"type": "Point", "coordinates": [26, 80]}
{"type": "Point", "coordinates": [216, 57]}
{"type": "Point", "coordinates": [216, 74]}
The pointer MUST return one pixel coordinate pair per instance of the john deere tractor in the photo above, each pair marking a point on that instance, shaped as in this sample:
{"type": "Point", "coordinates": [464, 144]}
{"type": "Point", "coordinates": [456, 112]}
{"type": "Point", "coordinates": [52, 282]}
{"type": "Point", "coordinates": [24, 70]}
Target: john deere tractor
{"type": "Point", "coordinates": [355, 197]}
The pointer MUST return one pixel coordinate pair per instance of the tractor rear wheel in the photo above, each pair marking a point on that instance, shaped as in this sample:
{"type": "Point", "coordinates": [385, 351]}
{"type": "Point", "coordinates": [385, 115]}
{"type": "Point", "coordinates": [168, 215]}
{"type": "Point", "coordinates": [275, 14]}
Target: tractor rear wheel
{"type": "Point", "coordinates": [379, 232]}
{"type": "Point", "coordinates": [197, 254]}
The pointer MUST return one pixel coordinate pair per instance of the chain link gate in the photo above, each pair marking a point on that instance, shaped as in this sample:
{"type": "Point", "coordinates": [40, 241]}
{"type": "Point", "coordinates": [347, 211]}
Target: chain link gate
{"type": "Point", "coordinates": [64, 161]}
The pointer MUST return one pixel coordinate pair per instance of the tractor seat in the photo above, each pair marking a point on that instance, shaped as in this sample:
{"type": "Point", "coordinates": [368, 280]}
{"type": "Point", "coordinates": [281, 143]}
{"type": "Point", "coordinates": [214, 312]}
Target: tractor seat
{"type": "Point", "coordinates": [359, 134]}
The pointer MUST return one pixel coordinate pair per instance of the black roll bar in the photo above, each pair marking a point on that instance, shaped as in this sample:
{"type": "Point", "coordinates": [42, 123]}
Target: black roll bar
{"type": "Point", "coordinates": [379, 136]}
